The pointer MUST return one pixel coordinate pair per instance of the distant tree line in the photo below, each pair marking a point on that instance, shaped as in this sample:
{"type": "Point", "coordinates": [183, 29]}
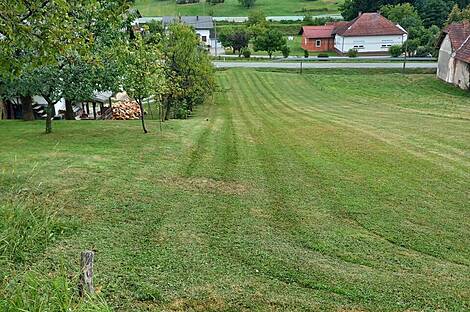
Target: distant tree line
{"type": "Point", "coordinates": [431, 12]}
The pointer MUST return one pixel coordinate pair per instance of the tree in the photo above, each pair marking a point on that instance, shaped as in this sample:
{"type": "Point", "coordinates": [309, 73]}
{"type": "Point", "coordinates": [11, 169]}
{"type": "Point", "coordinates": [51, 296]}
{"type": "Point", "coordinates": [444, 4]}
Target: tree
{"type": "Point", "coordinates": [188, 70]}
{"type": "Point", "coordinates": [46, 81]}
{"type": "Point", "coordinates": [247, 3]}
{"type": "Point", "coordinates": [41, 37]}
{"type": "Point", "coordinates": [236, 39]}
{"type": "Point", "coordinates": [395, 50]}
{"type": "Point", "coordinates": [458, 15]}
{"type": "Point", "coordinates": [142, 71]}
{"type": "Point", "coordinates": [404, 14]}
{"type": "Point", "coordinates": [434, 12]}
{"type": "Point", "coordinates": [270, 41]}
{"type": "Point", "coordinates": [257, 23]}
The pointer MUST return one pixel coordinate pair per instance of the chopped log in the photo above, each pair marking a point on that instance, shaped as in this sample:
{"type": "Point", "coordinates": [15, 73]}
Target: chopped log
{"type": "Point", "coordinates": [126, 111]}
{"type": "Point", "coordinates": [85, 285]}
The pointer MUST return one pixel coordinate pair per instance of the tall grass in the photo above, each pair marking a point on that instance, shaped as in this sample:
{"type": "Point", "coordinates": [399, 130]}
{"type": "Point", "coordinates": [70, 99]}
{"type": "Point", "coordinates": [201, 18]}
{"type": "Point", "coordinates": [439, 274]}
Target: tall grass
{"type": "Point", "coordinates": [26, 231]}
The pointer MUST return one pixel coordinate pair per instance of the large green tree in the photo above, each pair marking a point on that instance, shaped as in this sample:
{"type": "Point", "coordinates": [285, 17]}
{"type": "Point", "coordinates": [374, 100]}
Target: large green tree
{"type": "Point", "coordinates": [189, 72]}
{"type": "Point", "coordinates": [270, 41]}
{"type": "Point", "coordinates": [237, 39]}
{"type": "Point", "coordinates": [46, 37]}
{"type": "Point", "coordinates": [404, 14]}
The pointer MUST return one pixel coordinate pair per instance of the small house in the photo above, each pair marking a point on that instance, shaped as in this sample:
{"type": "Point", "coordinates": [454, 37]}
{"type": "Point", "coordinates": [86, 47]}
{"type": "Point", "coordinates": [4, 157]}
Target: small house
{"type": "Point", "coordinates": [369, 33]}
{"type": "Point", "coordinates": [318, 38]}
{"type": "Point", "coordinates": [454, 55]}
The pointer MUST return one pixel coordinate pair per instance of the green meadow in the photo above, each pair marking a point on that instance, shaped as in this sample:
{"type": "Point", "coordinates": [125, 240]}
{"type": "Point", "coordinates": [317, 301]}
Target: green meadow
{"type": "Point", "coordinates": [343, 190]}
{"type": "Point", "coordinates": [233, 8]}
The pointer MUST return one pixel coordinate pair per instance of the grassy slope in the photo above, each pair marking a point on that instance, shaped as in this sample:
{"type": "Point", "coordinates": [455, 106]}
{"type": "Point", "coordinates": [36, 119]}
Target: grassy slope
{"type": "Point", "coordinates": [233, 8]}
{"type": "Point", "coordinates": [331, 191]}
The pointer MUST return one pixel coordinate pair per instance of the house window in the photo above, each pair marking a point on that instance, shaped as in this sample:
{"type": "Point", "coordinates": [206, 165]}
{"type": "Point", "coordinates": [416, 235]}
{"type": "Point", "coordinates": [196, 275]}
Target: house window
{"type": "Point", "coordinates": [358, 47]}
{"type": "Point", "coordinates": [318, 43]}
{"type": "Point", "coordinates": [204, 38]}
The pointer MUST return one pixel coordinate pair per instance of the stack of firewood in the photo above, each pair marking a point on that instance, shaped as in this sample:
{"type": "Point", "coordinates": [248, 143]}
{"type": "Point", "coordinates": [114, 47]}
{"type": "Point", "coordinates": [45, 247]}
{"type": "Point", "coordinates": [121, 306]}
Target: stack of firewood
{"type": "Point", "coordinates": [126, 111]}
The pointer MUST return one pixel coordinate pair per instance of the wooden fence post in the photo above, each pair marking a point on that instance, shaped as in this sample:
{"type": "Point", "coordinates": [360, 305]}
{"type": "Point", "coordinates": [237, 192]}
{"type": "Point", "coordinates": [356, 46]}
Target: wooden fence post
{"type": "Point", "coordinates": [86, 274]}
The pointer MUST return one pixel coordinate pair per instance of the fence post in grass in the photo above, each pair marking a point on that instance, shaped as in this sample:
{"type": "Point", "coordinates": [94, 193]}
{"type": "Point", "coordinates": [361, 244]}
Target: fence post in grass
{"type": "Point", "coordinates": [85, 285]}
{"type": "Point", "coordinates": [301, 67]}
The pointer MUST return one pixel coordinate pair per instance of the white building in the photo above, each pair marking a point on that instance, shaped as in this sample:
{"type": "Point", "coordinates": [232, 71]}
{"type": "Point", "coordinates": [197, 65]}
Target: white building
{"type": "Point", "coordinates": [368, 33]}
{"type": "Point", "coordinates": [203, 25]}
{"type": "Point", "coordinates": [454, 55]}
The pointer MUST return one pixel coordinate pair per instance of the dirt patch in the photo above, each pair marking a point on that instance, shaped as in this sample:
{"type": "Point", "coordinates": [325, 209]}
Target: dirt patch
{"type": "Point", "coordinates": [205, 185]}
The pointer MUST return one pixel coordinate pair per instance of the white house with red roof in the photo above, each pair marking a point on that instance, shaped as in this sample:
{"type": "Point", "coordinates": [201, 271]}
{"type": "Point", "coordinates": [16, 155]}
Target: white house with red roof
{"type": "Point", "coordinates": [368, 33]}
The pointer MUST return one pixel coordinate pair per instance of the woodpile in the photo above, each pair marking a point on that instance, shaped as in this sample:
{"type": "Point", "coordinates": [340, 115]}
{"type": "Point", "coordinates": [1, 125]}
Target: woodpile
{"type": "Point", "coordinates": [126, 110]}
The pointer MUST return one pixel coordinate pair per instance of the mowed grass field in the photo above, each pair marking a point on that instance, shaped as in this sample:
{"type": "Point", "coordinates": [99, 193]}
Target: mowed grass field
{"type": "Point", "coordinates": [233, 8]}
{"type": "Point", "coordinates": [330, 191]}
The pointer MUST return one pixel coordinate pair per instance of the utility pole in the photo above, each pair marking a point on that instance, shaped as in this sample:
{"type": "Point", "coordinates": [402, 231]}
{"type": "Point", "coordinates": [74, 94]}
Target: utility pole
{"type": "Point", "coordinates": [215, 34]}
{"type": "Point", "coordinates": [406, 54]}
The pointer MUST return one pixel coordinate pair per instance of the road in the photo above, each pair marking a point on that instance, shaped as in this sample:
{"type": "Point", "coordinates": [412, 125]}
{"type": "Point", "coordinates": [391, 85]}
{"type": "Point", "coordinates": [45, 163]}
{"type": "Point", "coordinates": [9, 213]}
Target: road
{"type": "Point", "coordinates": [319, 65]}
{"type": "Point", "coordinates": [241, 19]}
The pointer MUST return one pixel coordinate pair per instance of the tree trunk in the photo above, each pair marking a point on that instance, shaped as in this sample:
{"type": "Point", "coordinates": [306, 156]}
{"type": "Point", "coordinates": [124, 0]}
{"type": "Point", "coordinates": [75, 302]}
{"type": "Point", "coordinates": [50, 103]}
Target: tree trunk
{"type": "Point", "coordinates": [27, 107]}
{"type": "Point", "coordinates": [142, 115]}
{"type": "Point", "coordinates": [167, 109]}
{"type": "Point", "coordinates": [3, 113]}
{"type": "Point", "coordinates": [50, 114]}
{"type": "Point", "coordinates": [69, 114]}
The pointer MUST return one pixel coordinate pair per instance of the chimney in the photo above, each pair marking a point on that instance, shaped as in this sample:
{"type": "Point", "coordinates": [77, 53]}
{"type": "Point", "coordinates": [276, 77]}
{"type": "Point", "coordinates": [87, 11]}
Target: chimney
{"type": "Point", "coordinates": [360, 13]}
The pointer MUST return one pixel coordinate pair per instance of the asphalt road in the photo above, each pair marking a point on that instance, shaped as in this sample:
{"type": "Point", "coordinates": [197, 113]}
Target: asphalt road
{"type": "Point", "coordinates": [319, 65]}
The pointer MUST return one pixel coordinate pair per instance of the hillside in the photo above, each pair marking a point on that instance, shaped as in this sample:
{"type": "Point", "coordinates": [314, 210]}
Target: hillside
{"type": "Point", "coordinates": [328, 191]}
{"type": "Point", "coordinates": [233, 8]}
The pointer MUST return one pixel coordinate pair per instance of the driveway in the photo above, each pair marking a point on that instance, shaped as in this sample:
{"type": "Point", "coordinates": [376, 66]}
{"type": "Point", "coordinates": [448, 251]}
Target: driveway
{"type": "Point", "coordinates": [241, 64]}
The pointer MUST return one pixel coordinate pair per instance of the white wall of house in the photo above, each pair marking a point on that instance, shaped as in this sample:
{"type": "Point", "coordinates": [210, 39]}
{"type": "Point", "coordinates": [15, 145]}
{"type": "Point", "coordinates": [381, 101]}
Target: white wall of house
{"type": "Point", "coordinates": [445, 68]}
{"type": "Point", "coordinates": [204, 34]}
{"type": "Point", "coordinates": [368, 44]}
{"type": "Point", "coordinates": [462, 75]}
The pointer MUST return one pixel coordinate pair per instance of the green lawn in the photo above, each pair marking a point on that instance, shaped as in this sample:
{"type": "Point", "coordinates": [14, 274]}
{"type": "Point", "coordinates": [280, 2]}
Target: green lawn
{"type": "Point", "coordinates": [335, 191]}
{"type": "Point", "coordinates": [233, 8]}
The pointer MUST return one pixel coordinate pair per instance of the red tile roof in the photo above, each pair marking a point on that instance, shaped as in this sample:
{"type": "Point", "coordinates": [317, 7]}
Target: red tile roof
{"type": "Point", "coordinates": [463, 53]}
{"type": "Point", "coordinates": [369, 24]}
{"type": "Point", "coordinates": [318, 32]}
{"type": "Point", "coordinates": [458, 33]}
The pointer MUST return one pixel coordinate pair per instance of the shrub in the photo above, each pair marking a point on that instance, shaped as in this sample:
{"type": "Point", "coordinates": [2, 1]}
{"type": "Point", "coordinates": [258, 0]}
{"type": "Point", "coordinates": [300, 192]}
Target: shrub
{"type": "Point", "coordinates": [422, 51]}
{"type": "Point", "coordinates": [285, 51]}
{"type": "Point", "coordinates": [306, 54]}
{"type": "Point", "coordinates": [323, 55]}
{"type": "Point", "coordinates": [353, 53]}
{"type": "Point", "coordinates": [246, 53]}
{"type": "Point", "coordinates": [395, 50]}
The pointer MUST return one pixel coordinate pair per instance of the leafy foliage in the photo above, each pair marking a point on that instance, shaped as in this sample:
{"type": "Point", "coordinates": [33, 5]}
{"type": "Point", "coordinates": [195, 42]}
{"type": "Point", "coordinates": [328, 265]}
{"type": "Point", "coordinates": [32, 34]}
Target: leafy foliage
{"type": "Point", "coordinates": [235, 39]}
{"type": "Point", "coordinates": [63, 41]}
{"type": "Point", "coordinates": [142, 72]}
{"type": "Point", "coordinates": [458, 15]}
{"type": "Point", "coordinates": [270, 41]}
{"type": "Point", "coordinates": [188, 70]}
